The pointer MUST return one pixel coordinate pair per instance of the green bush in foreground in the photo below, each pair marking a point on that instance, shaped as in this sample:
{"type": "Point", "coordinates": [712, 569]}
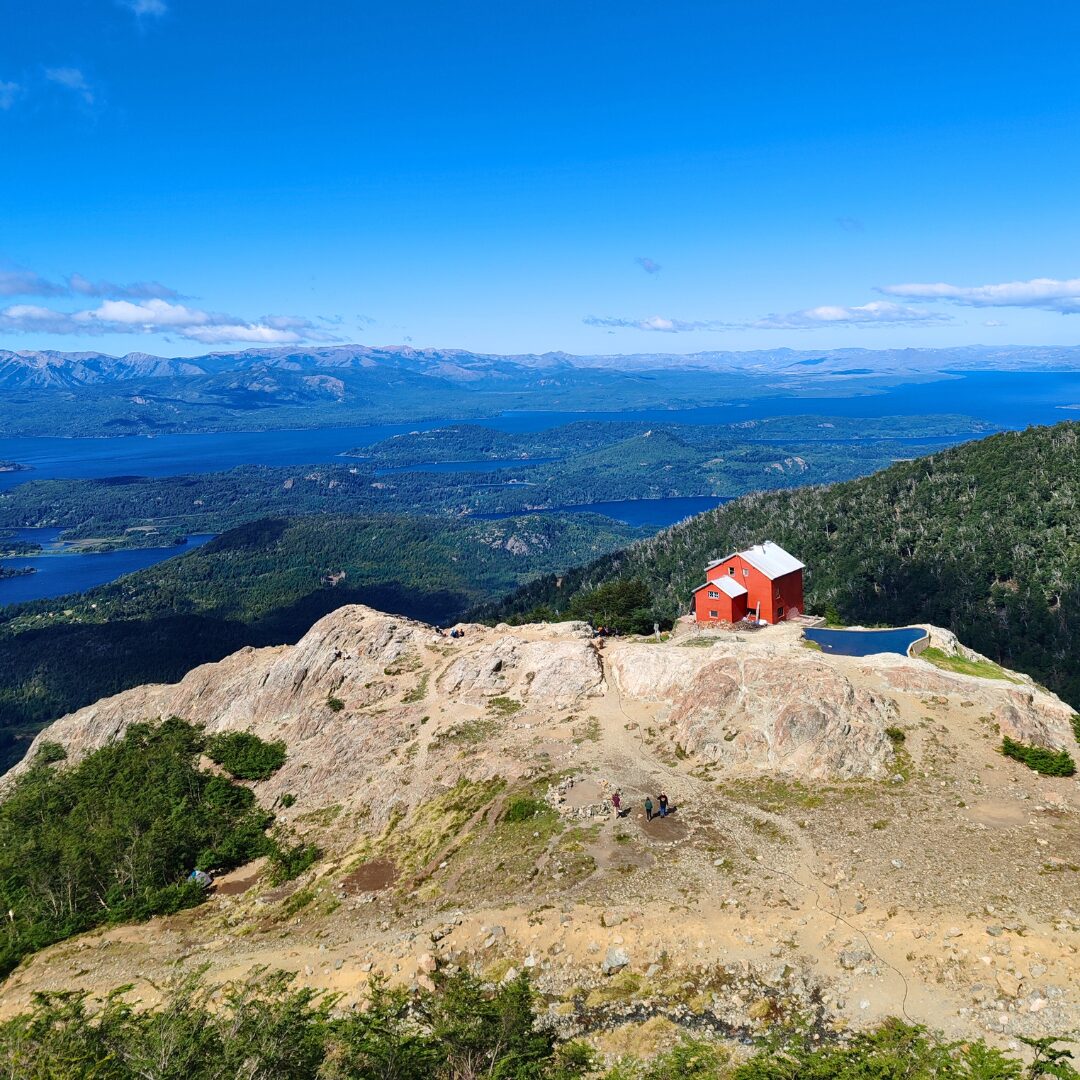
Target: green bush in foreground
{"type": "Point", "coordinates": [245, 756]}
{"type": "Point", "coordinates": [268, 1028]}
{"type": "Point", "coordinates": [114, 838]}
{"type": "Point", "coordinates": [1046, 762]}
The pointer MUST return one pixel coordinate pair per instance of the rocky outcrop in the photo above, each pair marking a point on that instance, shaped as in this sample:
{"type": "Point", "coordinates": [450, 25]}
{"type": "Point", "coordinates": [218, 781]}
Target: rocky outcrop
{"type": "Point", "coordinates": [560, 673]}
{"type": "Point", "coordinates": [364, 695]}
{"type": "Point", "coordinates": [792, 714]}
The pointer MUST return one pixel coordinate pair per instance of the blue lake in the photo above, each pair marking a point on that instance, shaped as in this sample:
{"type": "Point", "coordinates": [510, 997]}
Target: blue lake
{"type": "Point", "coordinates": [1005, 398]}
{"type": "Point", "coordinates": [58, 571]}
{"type": "Point", "coordinates": [866, 642]}
{"type": "Point", "coordinates": [1009, 399]}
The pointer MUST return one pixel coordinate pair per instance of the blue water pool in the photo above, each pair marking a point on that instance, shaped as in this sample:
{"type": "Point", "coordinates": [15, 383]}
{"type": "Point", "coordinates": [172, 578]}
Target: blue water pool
{"type": "Point", "coordinates": [866, 642]}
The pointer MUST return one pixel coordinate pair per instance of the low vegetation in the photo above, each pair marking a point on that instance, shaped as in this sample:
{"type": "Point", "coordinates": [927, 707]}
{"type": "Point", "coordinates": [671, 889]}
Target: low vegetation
{"type": "Point", "coordinates": [267, 1027]}
{"type": "Point", "coordinates": [984, 669]}
{"type": "Point", "coordinates": [1043, 761]}
{"type": "Point", "coordinates": [114, 838]}
{"type": "Point", "coordinates": [245, 756]}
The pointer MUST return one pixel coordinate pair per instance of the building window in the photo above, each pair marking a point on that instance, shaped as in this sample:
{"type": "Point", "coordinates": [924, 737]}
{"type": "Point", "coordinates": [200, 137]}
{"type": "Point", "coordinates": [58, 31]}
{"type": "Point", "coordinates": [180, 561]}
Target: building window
{"type": "Point", "coordinates": [714, 614]}
{"type": "Point", "coordinates": [713, 594]}
{"type": "Point", "coordinates": [745, 573]}
{"type": "Point", "coordinates": [731, 570]}
{"type": "Point", "coordinates": [780, 612]}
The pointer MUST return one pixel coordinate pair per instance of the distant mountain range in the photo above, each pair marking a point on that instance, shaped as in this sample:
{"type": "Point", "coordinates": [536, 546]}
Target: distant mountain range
{"type": "Point", "coordinates": [92, 394]}
{"type": "Point", "coordinates": [47, 369]}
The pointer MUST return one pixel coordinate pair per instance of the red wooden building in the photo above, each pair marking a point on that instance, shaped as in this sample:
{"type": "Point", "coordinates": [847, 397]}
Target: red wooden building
{"type": "Point", "coordinates": [763, 582]}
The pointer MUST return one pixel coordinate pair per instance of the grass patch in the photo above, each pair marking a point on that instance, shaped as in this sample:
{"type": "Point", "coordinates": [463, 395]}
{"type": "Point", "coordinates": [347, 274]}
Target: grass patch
{"type": "Point", "coordinates": [777, 795]}
{"type": "Point", "coordinates": [404, 665]}
{"type": "Point", "coordinates": [467, 733]}
{"type": "Point", "coordinates": [1039, 758]}
{"type": "Point", "coordinates": [813, 646]}
{"type": "Point", "coordinates": [419, 691]}
{"type": "Point", "coordinates": [525, 808]}
{"type": "Point", "coordinates": [297, 902]}
{"type": "Point", "coordinates": [896, 735]}
{"type": "Point", "coordinates": [1076, 726]}
{"type": "Point", "coordinates": [435, 824]}
{"type": "Point", "coordinates": [984, 669]}
{"type": "Point", "coordinates": [589, 731]}
{"type": "Point", "coordinates": [503, 706]}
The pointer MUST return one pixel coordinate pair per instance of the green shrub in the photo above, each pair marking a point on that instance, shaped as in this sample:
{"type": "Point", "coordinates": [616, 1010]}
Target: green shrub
{"type": "Point", "coordinates": [114, 837]}
{"type": "Point", "coordinates": [49, 753]}
{"type": "Point", "coordinates": [896, 735]}
{"type": "Point", "coordinates": [288, 800]}
{"type": "Point", "coordinates": [897, 1050]}
{"type": "Point", "coordinates": [288, 860]}
{"type": "Point", "coordinates": [245, 756]}
{"type": "Point", "coordinates": [267, 1027]}
{"type": "Point", "coordinates": [524, 808]}
{"type": "Point", "coordinates": [625, 606]}
{"type": "Point", "coordinates": [1076, 726]}
{"type": "Point", "coordinates": [1043, 761]}
{"type": "Point", "coordinates": [334, 704]}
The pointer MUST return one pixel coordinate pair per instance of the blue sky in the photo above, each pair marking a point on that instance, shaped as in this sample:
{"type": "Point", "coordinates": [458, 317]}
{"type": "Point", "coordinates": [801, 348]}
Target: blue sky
{"type": "Point", "coordinates": [185, 175]}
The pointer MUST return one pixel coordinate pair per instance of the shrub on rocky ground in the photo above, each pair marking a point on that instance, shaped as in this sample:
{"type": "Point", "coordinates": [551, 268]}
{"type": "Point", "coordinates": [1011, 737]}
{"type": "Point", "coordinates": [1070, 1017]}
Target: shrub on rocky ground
{"type": "Point", "coordinates": [1043, 761]}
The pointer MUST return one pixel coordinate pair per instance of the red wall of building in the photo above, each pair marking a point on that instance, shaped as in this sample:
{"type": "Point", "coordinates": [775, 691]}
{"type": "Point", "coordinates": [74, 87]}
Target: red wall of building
{"type": "Point", "coordinates": [727, 608]}
{"type": "Point", "coordinates": [779, 599]}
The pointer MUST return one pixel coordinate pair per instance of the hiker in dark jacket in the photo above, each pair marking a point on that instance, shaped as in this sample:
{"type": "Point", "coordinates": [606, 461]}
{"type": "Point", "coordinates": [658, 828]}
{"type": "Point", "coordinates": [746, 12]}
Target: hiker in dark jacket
{"type": "Point", "coordinates": [662, 799]}
{"type": "Point", "coordinates": [648, 808]}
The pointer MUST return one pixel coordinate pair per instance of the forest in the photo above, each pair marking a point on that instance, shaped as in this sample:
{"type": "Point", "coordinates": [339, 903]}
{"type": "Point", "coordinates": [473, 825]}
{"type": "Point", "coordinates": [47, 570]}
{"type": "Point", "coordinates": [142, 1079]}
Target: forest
{"type": "Point", "coordinates": [114, 837]}
{"type": "Point", "coordinates": [983, 539]}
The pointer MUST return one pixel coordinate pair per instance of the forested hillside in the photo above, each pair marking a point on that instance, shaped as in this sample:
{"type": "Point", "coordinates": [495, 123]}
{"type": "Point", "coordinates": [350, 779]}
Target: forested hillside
{"type": "Point", "coordinates": [983, 538]}
{"type": "Point", "coordinates": [260, 584]}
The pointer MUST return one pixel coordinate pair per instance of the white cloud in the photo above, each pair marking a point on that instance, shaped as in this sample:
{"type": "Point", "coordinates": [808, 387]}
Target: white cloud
{"type": "Point", "coordinates": [137, 290]}
{"type": "Point", "coordinates": [9, 91]}
{"type": "Point", "coordinates": [157, 316]}
{"type": "Point", "coordinates": [657, 323]}
{"type": "Point", "coordinates": [877, 313]}
{"type": "Point", "coordinates": [1048, 294]}
{"type": "Point", "coordinates": [27, 283]}
{"type": "Point", "coordinates": [72, 79]}
{"type": "Point", "coordinates": [146, 7]}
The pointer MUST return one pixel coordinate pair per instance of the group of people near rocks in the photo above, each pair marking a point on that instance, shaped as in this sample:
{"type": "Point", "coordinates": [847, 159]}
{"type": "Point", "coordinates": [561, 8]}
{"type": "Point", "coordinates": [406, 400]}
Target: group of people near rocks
{"type": "Point", "coordinates": [455, 633]}
{"type": "Point", "coordinates": [661, 808]}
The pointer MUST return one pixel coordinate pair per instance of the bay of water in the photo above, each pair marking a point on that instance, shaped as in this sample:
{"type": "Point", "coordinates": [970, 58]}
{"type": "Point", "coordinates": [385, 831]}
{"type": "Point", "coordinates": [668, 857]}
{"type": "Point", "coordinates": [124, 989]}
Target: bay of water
{"type": "Point", "coordinates": [58, 571]}
{"type": "Point", "coordinates": [1011, 399]}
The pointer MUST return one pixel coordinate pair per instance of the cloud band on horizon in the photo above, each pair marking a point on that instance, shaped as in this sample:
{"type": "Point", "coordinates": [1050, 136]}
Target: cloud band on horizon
{"type": "Point", "coordinates": [158, 316]}
{"type": "Point", "coordinates": [1046, 294]}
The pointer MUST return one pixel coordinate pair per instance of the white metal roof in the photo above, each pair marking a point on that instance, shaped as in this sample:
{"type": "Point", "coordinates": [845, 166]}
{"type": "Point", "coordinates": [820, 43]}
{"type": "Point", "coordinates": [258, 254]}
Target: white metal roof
{"type": "Point", "coordinates": [771, 559]}
{"type": "Point", "coordinates": [725, 584]}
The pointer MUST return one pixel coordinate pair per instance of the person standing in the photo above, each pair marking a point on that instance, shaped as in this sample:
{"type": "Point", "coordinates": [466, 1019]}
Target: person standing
{"type": "Point", "coordinates": [662, 800]}
{"type": "Point", "coordinates": [616, 801]}
{"type": "Point", "coordinates": [648, 808]}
